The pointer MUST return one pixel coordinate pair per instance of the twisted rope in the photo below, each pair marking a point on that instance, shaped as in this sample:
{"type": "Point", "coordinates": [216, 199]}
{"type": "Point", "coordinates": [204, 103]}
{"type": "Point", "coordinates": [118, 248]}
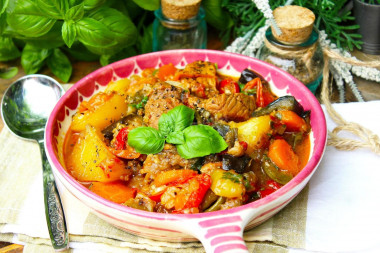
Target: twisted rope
{"type": "Point", "coordinates": [367, 139]}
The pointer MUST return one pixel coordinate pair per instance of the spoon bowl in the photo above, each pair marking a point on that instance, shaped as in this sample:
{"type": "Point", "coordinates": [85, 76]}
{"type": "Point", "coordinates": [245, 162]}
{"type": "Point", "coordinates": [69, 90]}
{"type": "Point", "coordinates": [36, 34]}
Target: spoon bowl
{"type": "Point", "coordinates": [25, 108]}
{"type": "Point", "coordinates": [27, 103]}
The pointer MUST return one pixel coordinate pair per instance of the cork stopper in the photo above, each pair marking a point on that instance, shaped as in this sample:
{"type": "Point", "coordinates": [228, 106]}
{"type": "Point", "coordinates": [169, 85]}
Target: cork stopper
{"type": "Point", "coordinates": [295, 22]}
{"type": "Point", "coordinates": [180, 9]}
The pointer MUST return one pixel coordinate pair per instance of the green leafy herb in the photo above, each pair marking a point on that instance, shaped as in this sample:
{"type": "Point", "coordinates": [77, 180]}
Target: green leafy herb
{"type": "Point", "coordinates": [146, 140]}
{"type": "Point", "coordinates": [175, 138]}
{"type": "Point", "coordinates": [75, 13]}
{"type": "Point", "coordinates": [25, 17]}
{"type": "Point", "coordinates": [236, 178]}
{"type": "Point", "coordinates": [8, 73]}
{"type": "Point", "coordinates": [92, 4]}
{"type": "Point", "coordinates": [331, 16]}
{"type": "Point", "coordinates": [150, 5]}
{"type": "Point", "coordinates": [176, 120]}
{"type": "Point", "coordinates": [175, 127]}
{"type": "Point", "coordinates": [69, 33]}
{"type": "Point", "coordinates": [32, 59]}
{"type": "Point", "coordinates": [201, 140]}
{"type": "Point", "coordinates": [8, 50]}
{"type": "Point", "coordinates": [141, 104]}
{"type": "Point", "coordinates": [60, 65]}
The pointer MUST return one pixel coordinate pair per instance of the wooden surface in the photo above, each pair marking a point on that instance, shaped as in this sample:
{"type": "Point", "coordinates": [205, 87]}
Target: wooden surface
{"type": "Point", "coordinates": [369, 90]}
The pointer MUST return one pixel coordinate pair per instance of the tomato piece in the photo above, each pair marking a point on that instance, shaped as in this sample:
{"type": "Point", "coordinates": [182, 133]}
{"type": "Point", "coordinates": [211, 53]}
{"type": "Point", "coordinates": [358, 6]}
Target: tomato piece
{"type": "Point", "coordinates": [157, 197]}
{"type": "Point", "coordinates": [270, 187]}
{"type": "Point", "coordinates": [263, 94]}
{"type": "Point", "coordinates": [251, 84]}
{"type": "Point", "coordinates": [121, 138]}
{"type": "Point", "coordinates": [167, 71]}
{"type": "Point", "coordinates": [228, 86]}
{"type": "Point", "coordinates": [199, 90]}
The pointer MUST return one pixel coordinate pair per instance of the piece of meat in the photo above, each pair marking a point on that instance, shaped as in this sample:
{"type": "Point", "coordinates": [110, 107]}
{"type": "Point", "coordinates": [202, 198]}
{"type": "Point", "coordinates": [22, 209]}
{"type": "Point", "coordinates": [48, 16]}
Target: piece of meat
{"type": "Point", "coordinates": [237, 106]}
{"type": "Point", "coordinates": [163, 98]}
{"type": "Point", "coordinates": [167, 159]}
{"type": "Point", "coordinates": [200, 78]}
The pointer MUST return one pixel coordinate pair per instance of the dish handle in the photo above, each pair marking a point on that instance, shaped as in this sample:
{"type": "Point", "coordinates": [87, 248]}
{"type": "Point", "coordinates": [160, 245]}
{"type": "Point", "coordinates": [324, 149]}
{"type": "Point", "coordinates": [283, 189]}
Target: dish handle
{"type": "Point", "coordinates": [221, 233]}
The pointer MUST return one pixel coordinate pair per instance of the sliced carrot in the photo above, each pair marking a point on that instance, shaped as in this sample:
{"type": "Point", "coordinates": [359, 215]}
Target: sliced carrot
{"type": "Point", "coordinates": [292, 121]}
{"type": "Point", "coordinates": [174, 176]}
{"type": "Point", "coordinates": [166, 71]}
{"type": "Point", "coordinates": [282, 154]}
{"type": "Point", "coordinates": [116, 191]}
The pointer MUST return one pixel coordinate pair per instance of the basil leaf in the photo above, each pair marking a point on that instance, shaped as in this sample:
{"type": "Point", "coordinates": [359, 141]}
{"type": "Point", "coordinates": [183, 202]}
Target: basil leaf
{"type": "Point", "coordinates": [175, 120]}
{"type": "Point", "coordinates": [26, 18]}
{"type": "Point", "coordinates": [146, 140]}
{"type": "Point", "coordinates": [175, 138]}
{"type": "Point", "coordinates": [75, 13]}
{"type": "Point", "coordinates": [3, 22]}
{"type": "Point", "coordinates": [32, 59]}
{"type": "Point", "coordinates": [93, 33]}
{"type": "Point", "coordinates": [53, 8]}
{"type": "Point", "coordinates": [216, 16]}
{"type": "Point", "coordinates": [121, 27]}
{"type": "Point", "coordinates": [8, 50]}
{"type": "Point", "coordinates": [60, 65]}
{"type": "Point", "coordinates": [80, 52]}
{"type": "Point", "coordinates": [201, 140]}
{"type": "Point", "coordinates": [92, 4]}
{"type": "Point", "coordinates": [106, 31]}
{"type": "Point", "coordinates": [3, 6]}
{"type": "Point", "coordinates": [69, 33]}
{"type": "Point", "coordinates": [149, 5]}
{"type": "Point", "coordinates": [8, 72]}
{"type": "Point", "coordinates": [52, 39]}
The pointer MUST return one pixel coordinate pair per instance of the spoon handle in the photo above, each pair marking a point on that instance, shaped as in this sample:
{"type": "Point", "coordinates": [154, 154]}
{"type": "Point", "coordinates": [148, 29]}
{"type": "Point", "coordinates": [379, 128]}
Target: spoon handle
{"type": "Point", "coordinates": [53, 207]}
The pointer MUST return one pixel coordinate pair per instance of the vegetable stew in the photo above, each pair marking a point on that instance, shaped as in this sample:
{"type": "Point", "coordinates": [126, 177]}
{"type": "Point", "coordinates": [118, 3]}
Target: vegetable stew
{"type": "Point", "coordinates": [187, 140]}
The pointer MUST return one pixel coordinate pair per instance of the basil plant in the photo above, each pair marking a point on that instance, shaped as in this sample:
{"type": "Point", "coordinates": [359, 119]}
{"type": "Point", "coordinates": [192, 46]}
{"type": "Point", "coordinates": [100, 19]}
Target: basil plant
{"type": "Point", "coordinates": [54, 32]}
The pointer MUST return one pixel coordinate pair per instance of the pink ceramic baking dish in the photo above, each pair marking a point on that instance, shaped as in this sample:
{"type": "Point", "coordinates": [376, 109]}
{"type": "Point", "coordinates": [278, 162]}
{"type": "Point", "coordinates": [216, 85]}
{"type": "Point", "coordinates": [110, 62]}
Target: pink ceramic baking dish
{"type": "Point", "coordinates": [218, 231]}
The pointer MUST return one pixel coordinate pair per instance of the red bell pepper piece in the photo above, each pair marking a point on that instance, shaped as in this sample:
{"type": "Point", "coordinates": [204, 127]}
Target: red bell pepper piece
{"type": "Point", "coordinates": [228, 86]}
{"type": "Point", "coordinates": [271, 186]}
{"type": "Point", "coordinates": [121, 138]}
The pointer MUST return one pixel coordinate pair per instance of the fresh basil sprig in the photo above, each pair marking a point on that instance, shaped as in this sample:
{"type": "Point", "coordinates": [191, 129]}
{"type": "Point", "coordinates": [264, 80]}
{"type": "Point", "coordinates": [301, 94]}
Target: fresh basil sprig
{"type": "Point", "coordinates": [175, 127]}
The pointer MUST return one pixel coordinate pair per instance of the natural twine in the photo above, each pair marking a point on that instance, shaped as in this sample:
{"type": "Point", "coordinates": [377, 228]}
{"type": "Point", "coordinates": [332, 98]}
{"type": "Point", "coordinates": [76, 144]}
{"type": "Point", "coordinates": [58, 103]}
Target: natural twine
{"type": "Point", "coordinates": [305, 54]}
{"type": "Point", "coordinates": [367, 139]}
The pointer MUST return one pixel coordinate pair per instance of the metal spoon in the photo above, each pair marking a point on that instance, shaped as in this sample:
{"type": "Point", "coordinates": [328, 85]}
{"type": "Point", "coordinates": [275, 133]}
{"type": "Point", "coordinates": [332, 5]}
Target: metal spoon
{"type": "Point", "coordinates": [25, 108]}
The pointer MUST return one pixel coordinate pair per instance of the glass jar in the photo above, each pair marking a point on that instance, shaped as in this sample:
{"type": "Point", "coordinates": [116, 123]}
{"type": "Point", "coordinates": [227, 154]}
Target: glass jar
{"type": "Point", "coordinates": [304, 61]}
{"type": "Point", "coordinates": [176, 34]}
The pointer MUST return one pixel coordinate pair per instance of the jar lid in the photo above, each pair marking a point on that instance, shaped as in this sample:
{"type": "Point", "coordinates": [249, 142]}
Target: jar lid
{"type": "Point", "coordinates": [313, 38]}
{"type": "Point", "coordinates": [295, 22]}
{"type": "Point", "coordinates": [180, 9]}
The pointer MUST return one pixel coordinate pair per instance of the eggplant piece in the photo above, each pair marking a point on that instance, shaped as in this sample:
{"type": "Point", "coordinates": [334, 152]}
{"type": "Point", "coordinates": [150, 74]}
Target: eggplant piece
{"type": "Point", "coordinates": [288, 103]}
{"type": "Point", "coordinates": [208, 200]}
{"type": "Point", "coordinates": [248, 75]}
{"type": "Point", "coordinates": [229, 134]}
{"type": "Point", "coordinates": [274, 172]}
{"type": "Point", "coordinates": [222, 129]}
{"type": "Point", "coordinates": [198, 164]}
{"type": "Point", "coordinates": [107, 132]}
{"type": "Point", "coordinates": [238, 164]}
{"type": "Point", "coordinates": [217, 205]}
